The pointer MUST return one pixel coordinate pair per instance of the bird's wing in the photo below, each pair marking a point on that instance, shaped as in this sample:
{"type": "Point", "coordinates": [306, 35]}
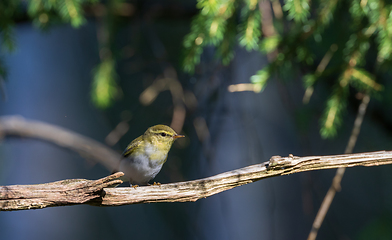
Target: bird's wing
{"type": "Point", "coordinates": [132, 146]}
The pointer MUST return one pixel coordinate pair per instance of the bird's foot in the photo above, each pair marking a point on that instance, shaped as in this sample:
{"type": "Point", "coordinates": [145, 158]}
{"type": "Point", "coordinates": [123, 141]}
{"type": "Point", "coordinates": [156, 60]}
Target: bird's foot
{"type": "Point", "coordinates": [156, 184]}
{"type": "Point", "coordinates": [134, 186]}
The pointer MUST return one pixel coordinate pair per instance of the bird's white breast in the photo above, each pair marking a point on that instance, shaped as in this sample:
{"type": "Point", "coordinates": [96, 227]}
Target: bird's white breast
{"type": "Point", "coordinates": [142, 168]}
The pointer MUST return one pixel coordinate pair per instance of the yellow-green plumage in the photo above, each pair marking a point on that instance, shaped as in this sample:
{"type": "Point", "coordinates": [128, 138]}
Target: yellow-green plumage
{"type": "Point", "coordinates": [132, 146]}
{"type": "Point", "coordinates": [144, 156]}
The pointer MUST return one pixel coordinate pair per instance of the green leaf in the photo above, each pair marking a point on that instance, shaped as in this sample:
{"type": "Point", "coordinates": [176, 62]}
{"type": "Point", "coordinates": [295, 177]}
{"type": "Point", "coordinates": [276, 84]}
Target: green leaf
{"type": "Point", "coordinates": [71, 10]}
{"type": "Point", "coordinates": [364, 81]}
{"type": "Point", "coordinates": [261, 78]}
{"type": "Point", "coordinates": [332, 116]}
{"type": "Point", "coordinates": [327, 8]}
{"type": "Point", "coordinates": [250, 31]}
{"type": "Point", "coordinates": [298, 10]}
{"type": "Point", "coordinates": [104, 86]}
{"type": "Point", "coordinates": [8, 38]}
{"type": "Point", "coordinates": [225, 50]}
{"type": "Point", "coordinates": [309, 80]}
{"type": "Point", "coordinates": [269, 44]}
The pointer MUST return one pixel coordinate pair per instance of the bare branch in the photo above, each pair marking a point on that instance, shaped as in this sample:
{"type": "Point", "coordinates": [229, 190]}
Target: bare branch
{"type": "Point", "coordinates": [18, 126]}
{"type": "Point", "coordinates": [73, 191]}
{"type": "Point", "coordinates": [61, 193]}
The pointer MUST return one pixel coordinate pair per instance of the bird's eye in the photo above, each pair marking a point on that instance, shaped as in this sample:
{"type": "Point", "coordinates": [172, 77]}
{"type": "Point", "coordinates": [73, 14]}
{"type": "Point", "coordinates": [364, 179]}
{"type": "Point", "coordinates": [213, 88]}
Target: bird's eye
{"type": "Point", "coordinates": [163, 134]}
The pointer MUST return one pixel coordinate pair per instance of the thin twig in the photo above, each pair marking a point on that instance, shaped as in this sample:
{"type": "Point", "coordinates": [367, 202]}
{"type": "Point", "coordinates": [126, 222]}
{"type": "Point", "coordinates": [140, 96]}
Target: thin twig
{"type": "Point", "coordinates": [45, 195]}
{"type": "Point", "coordinates": [335, 186]}
{"type": "Point", "coordinates": [117, 133]}
{"type": "Point", "coordinates": [267, 25]}
{"type": "Point", "coordinates": [320, 69]}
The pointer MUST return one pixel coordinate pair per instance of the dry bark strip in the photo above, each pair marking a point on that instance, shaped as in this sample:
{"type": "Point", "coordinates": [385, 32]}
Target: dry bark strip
{"type": "Point", "coordinates": [79, 191]}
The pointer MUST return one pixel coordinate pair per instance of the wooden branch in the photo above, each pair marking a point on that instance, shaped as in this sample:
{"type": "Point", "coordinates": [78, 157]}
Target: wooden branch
{"type": "Point", "coordinates": [70, 192]}
{"type": "Point", "coordinates": [87, 147]}
{"type": "Point", "coordinates": [276, 166]}
{"type": "Point", "coordinates": [66, 192]}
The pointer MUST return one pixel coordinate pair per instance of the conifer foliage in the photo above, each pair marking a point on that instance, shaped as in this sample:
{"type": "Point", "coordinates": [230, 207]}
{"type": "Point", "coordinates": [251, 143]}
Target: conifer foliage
{"type": "Point", "coordinates": [345, 46]}
{"type": "Point", "coordinates": [43, 14]}
{"type": "Point", "coordinates": [328, 40]}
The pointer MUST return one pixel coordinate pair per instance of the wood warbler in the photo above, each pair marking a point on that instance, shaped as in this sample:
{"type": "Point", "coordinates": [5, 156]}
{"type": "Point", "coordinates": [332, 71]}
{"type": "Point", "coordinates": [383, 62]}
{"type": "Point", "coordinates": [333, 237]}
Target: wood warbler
{"type": "Point", "coordinates": [145, 156]}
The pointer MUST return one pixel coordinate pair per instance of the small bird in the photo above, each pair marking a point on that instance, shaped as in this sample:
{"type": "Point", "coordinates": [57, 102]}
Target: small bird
{"type": "Point", "coordinates": [145, 156]}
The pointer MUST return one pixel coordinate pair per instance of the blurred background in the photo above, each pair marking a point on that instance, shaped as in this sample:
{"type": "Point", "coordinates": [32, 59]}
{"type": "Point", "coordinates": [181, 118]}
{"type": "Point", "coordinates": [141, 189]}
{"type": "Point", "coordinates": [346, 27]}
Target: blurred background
{"type": "Point", "coordinates": [243, 80]}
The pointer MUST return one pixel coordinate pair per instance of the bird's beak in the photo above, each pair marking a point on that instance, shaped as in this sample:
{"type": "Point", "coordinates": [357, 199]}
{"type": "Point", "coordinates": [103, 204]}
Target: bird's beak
{"type": "Point", "coordinates": [178, 136]}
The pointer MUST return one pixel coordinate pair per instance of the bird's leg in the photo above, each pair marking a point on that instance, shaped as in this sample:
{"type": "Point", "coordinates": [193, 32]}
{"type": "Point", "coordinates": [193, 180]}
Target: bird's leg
{"type": "Point", "coordinates": [134, 186]}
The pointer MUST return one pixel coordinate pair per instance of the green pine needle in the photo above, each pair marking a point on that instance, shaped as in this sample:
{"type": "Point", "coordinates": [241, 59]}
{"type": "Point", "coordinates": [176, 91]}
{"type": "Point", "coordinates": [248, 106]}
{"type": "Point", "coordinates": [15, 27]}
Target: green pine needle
{"type": "Point", "coordinates": [332, 117]}
{"type": "Point", "coordinates": [260, 79]}
{"type": "Point", "coordinates": [250, 31]}
{"type": "Point", "coordinates": [297, 9]}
